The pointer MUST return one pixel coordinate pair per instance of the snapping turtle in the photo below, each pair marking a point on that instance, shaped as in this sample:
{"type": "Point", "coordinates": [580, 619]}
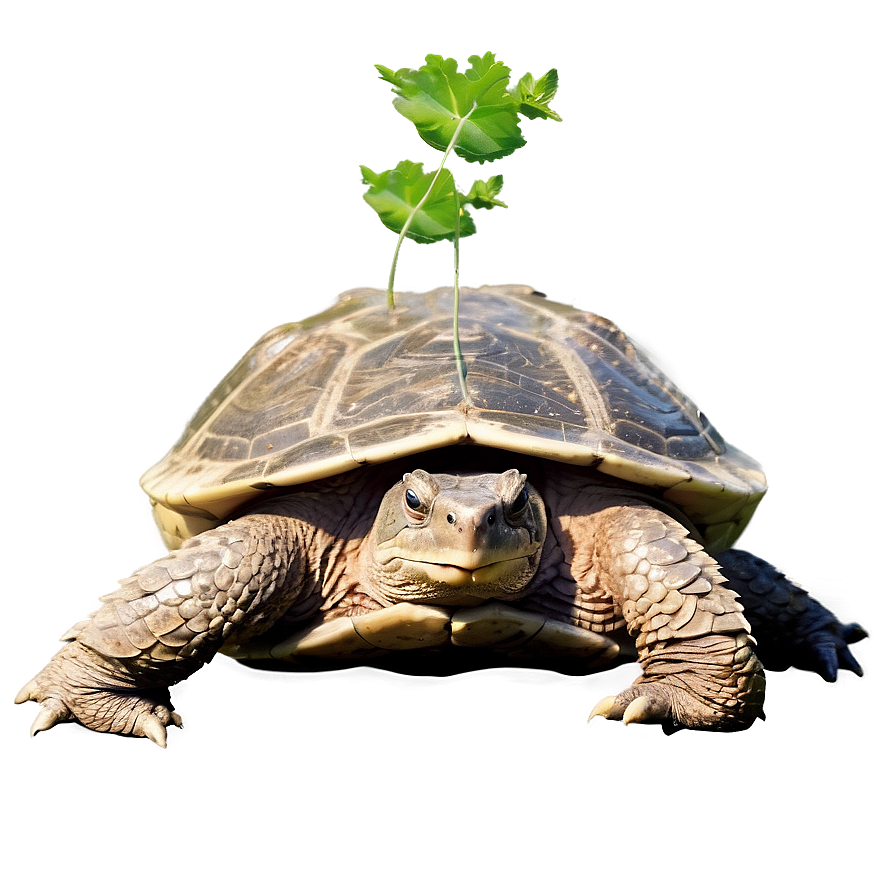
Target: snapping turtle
{"type": "Point", "coordinates": [343, 497]}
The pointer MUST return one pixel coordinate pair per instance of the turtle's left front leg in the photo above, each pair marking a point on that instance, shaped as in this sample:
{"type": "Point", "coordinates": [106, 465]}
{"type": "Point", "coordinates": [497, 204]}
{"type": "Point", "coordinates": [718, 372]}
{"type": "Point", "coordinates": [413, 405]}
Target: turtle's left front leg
{"type": "Point", "coordinates": [697, 656]}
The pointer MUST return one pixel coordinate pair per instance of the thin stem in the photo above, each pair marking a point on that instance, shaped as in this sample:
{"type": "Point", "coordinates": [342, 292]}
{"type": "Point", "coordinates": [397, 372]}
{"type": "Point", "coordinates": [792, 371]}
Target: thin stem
{"type": "Point", "coordinates": [458, 357]}
{"type": "Point", "coordinates": [390, 292]}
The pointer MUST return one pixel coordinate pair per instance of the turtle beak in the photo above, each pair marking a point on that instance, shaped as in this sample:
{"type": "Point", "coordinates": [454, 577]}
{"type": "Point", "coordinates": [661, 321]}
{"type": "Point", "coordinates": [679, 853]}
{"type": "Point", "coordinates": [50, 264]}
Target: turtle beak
{"type": "Point", "coordinates": [469, 535]}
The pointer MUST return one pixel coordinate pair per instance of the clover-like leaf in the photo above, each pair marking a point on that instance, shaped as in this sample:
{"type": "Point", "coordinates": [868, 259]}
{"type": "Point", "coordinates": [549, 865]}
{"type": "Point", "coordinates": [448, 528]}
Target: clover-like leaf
{"type": "Point", "coordinates": [471, 111]}
{"type": "Point", "coordinates": [533, 96]}
{"type": "Point", "coordinates": [406, 195]}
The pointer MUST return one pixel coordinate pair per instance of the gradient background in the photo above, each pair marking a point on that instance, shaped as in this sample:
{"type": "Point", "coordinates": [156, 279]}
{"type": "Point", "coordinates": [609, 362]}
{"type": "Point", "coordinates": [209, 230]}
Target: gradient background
{"type": "Point", "coordinates": [179, 177]}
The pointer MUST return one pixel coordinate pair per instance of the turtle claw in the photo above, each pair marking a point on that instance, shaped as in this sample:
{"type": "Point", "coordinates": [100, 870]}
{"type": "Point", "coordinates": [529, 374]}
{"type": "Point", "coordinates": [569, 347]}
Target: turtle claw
{"type": "Point", "coordinates": [825, 662]}
{"type": "Point", "coordinates": [51, 714]}
{"type": "Point", "coordinates": [853, 632]}
{"type": "Point", "coordinates": [642, 709]}
{"type": "Point", "coordinates": [52, 711]}
{"type": "Point", "coordinates": [28, 692]}
{"type": "Point", "coordinates": [154, 729]}
{"type": "Point", "coordinates": [608, 709]}
{"type": "Point", "coordinates": [637, 711]}
{"type": "Point", "coordinates": [850, 663]}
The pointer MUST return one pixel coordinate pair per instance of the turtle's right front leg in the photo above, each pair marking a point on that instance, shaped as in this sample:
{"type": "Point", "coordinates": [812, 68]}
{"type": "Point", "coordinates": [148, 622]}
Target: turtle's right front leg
{"type": "Point", "coordinates": [166, 621]}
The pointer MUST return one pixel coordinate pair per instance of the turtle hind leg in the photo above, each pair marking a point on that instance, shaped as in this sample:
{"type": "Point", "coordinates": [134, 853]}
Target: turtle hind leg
{"type": "Point", "coordinates": [699, 666]}
{"type": "Point", "coordinates": [791, 628]}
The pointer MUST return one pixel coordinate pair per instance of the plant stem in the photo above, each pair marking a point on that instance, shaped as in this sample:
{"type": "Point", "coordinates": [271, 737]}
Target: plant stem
{"type": "Point", "coordinates": [458, 357]}
{"type": "Point", "coordinates": [390, 292]}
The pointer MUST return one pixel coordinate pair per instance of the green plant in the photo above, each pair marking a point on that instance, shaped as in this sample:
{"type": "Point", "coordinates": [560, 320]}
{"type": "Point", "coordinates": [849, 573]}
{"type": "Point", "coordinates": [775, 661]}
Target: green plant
{"type": "Point", "coordinates": [476, 114]}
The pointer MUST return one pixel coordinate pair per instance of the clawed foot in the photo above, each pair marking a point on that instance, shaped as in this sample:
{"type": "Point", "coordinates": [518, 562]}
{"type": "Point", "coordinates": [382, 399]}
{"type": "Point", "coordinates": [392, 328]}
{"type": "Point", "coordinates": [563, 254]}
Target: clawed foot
{"type": "Point", "coordinates": [825, 649]}
{"type": "Point", "coordinates": [675, 706]}
{"type": "Point", "coordinates": [77, 686]}
{"type": "Point", "coordinates": [641, 709]}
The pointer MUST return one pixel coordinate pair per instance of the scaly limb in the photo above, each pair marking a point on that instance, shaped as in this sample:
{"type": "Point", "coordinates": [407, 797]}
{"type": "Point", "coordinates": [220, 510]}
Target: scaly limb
{"type": "Point", "coordinates": [166, 621]}
{"type": "Point", "coordinates": [699, 665]}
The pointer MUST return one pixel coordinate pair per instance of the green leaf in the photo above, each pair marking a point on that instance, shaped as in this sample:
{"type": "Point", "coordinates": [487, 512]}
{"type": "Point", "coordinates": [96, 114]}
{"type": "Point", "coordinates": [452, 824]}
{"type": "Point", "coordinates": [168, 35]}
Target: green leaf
{"type": "Point", "coordinates": [395, 194]}
{"type": "Point", "coordinates": [388, 75]}
{"type": "Point", "coordinates": [473, 108]}
{"type": "Point", "coordinates": [533, 96]}
{"type": "Point", "coordinates": [481, 66]}
{"type": "Point", "coordinates": [483, 192]}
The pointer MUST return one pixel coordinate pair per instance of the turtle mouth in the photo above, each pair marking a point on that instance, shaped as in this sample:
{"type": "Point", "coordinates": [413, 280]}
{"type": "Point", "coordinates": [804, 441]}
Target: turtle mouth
{"type": "Point", "coordinates": [460, 576]}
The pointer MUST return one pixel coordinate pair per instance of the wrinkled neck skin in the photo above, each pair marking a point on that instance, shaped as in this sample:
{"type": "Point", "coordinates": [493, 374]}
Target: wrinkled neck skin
{"type": "Point", "coordinates": [456, 539]}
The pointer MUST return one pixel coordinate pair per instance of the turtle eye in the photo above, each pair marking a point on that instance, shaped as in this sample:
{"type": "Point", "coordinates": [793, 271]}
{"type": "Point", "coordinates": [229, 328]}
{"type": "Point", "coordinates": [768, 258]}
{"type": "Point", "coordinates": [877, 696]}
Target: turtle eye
{"type": "Point", "coordinates": [414, 507]}
{"type": "Point", "coordinates": [520, 502]}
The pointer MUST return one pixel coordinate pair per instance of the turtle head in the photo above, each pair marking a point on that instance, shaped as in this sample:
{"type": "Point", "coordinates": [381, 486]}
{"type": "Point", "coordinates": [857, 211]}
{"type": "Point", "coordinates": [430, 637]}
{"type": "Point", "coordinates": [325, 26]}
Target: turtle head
{"type": "Point", "coordinates": [457, 539]}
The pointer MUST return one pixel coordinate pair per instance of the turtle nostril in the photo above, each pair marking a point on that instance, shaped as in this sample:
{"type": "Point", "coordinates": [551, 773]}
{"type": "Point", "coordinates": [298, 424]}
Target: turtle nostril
{"type": "Point", "coordinates": [451, 519]}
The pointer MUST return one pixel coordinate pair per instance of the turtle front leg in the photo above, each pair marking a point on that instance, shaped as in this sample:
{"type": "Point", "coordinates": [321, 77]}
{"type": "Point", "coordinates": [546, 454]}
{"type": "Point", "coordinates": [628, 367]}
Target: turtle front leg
{"type": "Point", "coordinates": [104, 694]}
{"type": "Point", "coordinates": [790, 627]}
{"type": "Point", "coordinates": [699, 665]}
{"type": "Point", "coordinates": [166, 621]}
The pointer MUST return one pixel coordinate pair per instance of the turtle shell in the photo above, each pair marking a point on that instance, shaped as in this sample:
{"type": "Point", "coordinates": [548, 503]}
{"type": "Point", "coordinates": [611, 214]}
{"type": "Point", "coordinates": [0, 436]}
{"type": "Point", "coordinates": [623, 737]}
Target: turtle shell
{"type": "Point", "coordinates": [360, 384]}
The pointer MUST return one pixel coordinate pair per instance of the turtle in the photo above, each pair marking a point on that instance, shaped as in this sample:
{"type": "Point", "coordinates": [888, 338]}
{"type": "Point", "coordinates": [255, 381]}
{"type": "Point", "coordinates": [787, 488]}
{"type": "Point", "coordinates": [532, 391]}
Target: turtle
{"type": "Point", "coordinates": [354, 493]}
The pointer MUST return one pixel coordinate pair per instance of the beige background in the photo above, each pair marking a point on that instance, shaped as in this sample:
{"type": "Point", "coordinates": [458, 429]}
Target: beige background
{"type": "Point", "coordinates": [178, 177]}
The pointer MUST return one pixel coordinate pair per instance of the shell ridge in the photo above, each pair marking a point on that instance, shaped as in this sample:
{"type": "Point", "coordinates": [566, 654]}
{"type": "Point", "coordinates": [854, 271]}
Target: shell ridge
{"type": "Point", "coordinates": [325, 411]}
{"type": "Point", "coordinates": [591, 399]}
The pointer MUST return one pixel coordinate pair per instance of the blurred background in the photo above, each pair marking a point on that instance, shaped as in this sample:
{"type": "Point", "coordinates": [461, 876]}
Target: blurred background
{"type": "Point", "coordinates": [179, 177]}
